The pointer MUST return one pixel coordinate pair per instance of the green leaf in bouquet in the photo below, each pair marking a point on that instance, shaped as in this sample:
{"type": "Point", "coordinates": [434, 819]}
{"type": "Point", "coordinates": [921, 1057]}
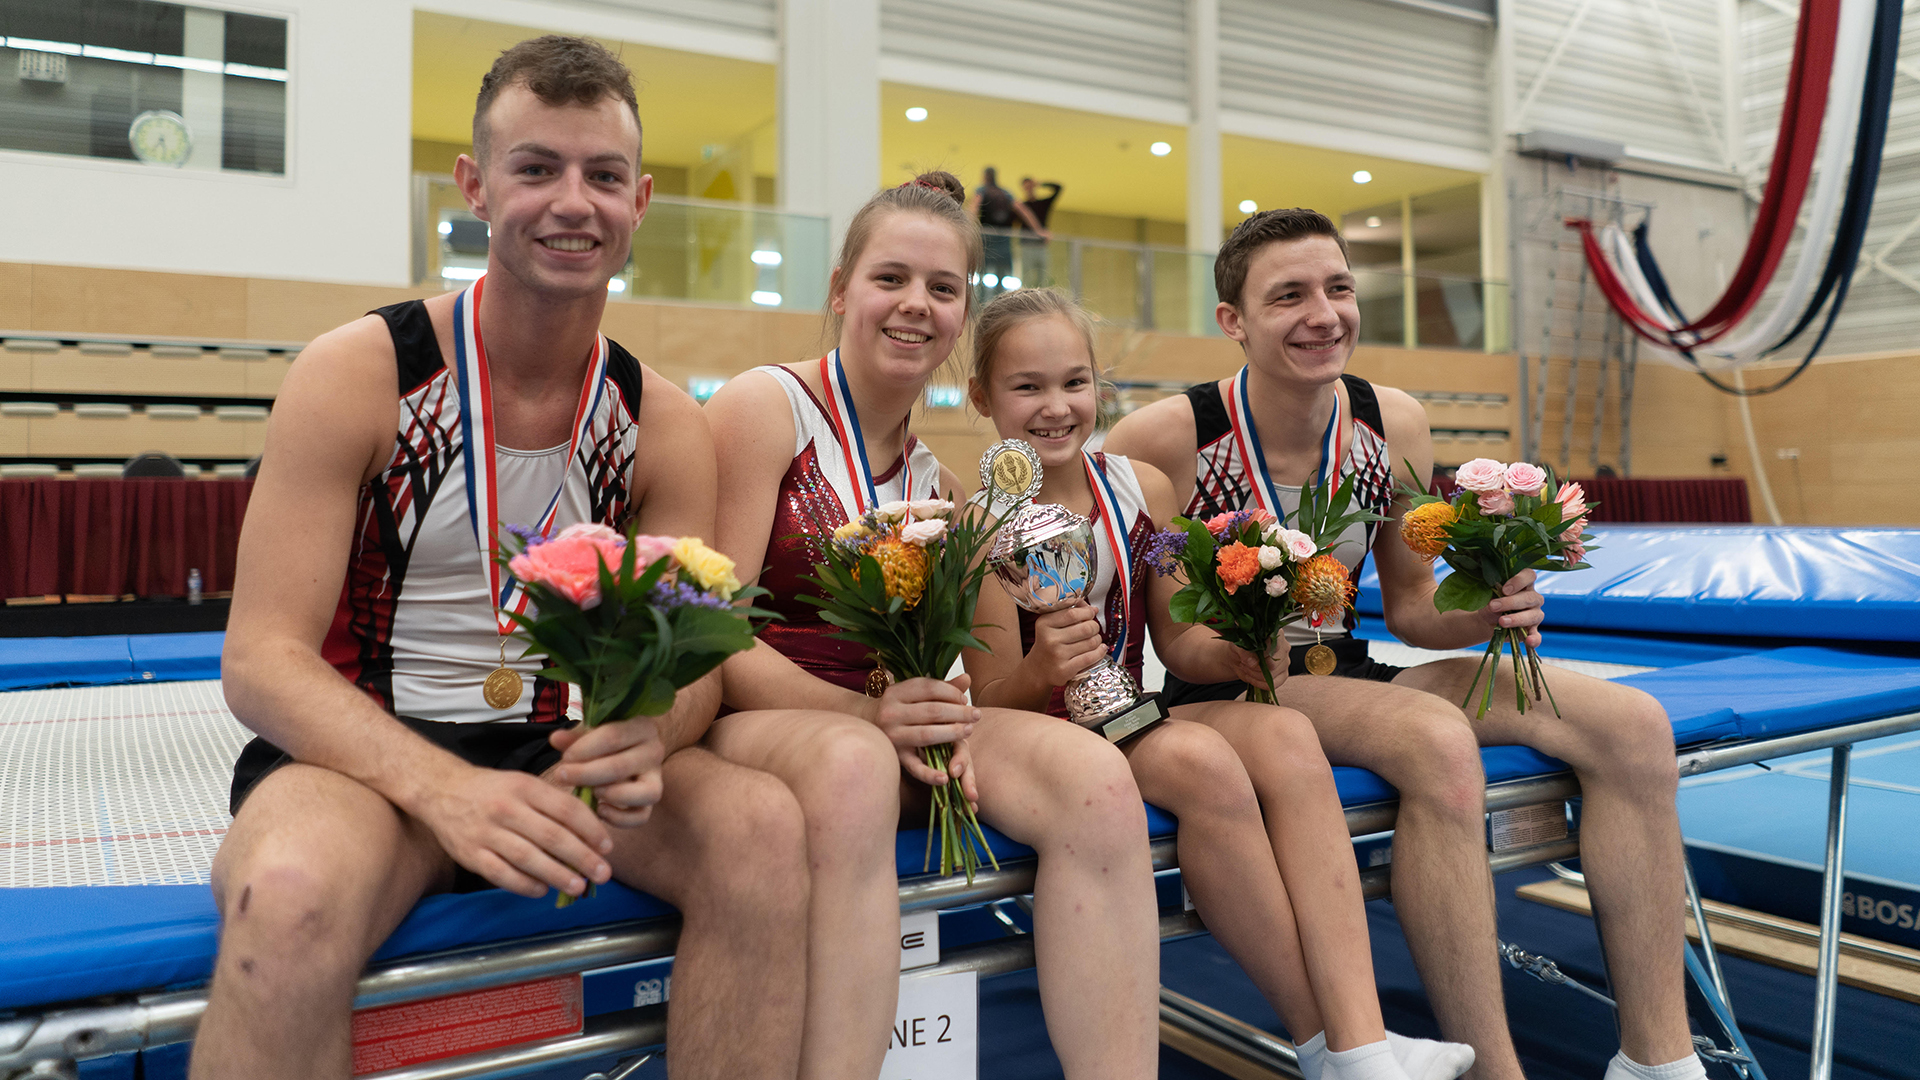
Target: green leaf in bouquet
{"type": "Point", "coordinates": [1462, 592]}
{"type": "Point", "coordinates": [710, 630]}
{"type": "Point", "coordinates": [1183, 606]}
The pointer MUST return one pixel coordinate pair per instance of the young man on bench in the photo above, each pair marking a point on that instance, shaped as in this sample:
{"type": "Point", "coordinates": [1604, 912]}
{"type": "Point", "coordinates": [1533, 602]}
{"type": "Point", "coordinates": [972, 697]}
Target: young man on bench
{"type": "Point", "coordinates": [364, 633]}
{"type": "Point", "coordinates": [1287, 296]}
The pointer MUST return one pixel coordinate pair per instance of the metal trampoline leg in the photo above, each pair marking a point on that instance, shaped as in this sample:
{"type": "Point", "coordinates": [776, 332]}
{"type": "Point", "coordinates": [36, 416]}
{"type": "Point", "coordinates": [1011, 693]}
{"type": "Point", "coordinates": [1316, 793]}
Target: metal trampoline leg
{"type": "Point", "coordinates": [1826, 973]}
{"type": "Point", "coordinates": [1707, 950]}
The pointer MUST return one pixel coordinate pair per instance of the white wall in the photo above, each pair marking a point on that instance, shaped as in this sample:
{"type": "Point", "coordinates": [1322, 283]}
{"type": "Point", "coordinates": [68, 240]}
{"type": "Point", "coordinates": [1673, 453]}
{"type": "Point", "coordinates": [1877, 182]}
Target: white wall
{"type": "Point", "coordinates": [340, 213]}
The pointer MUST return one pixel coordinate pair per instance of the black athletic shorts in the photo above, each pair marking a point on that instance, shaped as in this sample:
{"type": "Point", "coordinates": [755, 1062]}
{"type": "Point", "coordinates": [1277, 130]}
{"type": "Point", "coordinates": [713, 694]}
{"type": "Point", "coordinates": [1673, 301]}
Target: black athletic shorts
{"type": "Point", "coordinates": [1350, 661]}
{"type": "Point", "coordinates": [514, 745]}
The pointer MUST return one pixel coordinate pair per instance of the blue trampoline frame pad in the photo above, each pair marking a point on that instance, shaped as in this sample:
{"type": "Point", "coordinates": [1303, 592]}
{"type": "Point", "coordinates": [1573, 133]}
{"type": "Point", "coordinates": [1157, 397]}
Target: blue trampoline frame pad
{"type": "Point", "coordinates": [109, 660]}
{"type": "Point", "coordinates": [71, 943]}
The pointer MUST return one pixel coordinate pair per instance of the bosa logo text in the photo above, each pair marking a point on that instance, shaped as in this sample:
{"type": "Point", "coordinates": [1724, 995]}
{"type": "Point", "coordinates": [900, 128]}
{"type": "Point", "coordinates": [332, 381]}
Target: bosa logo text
{"type": "Point", "coordinates": [1862, 906]}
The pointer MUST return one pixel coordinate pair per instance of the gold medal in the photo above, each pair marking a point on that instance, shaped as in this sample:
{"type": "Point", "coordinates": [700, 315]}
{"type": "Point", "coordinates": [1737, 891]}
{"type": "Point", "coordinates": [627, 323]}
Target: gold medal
{"type": "Point", "coordinates": [1320, 660]}
{"type": "Point", "coordinates": [502, 688]}
{"type": "Point", "coordinates": [877, 682]}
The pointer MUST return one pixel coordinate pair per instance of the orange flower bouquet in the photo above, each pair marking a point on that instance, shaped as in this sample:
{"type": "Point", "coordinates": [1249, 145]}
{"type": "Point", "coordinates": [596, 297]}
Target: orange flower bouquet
{"type": "Point", "coordinates": [903, 579]}
{"type": "Point", "coordinates": [1247, 575]}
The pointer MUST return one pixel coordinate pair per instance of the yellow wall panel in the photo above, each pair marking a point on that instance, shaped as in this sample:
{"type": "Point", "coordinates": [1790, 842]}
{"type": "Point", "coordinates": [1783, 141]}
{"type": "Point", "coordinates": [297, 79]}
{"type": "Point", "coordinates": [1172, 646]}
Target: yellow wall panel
{"type": "Point", "coordinates": [16, 370]}
{"type": "Point", "coordinates": [68, 435]}
{"type": "Point", "coordinates": [263, 377]}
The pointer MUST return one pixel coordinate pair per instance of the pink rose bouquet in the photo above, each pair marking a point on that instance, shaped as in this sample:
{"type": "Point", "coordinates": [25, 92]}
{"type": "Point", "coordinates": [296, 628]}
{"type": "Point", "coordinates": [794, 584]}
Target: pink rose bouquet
{"type": "Point", "coordinates": [628, 619]}
{"type": "Point", "coordinates": [1504, 519]}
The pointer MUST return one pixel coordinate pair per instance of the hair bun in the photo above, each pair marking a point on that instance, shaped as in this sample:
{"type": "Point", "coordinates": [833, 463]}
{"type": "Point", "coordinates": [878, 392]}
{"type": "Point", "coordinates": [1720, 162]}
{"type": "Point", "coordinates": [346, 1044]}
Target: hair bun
{"type": "Point", "coordinates": [941, 180]}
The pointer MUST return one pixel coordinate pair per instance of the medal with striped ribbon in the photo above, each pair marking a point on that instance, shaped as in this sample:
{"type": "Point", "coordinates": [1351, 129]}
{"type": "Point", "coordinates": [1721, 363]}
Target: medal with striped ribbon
{"type": "Point", "coordinates": [503, 685]}
{"type": "Point", "coordinates": [1320, 659]}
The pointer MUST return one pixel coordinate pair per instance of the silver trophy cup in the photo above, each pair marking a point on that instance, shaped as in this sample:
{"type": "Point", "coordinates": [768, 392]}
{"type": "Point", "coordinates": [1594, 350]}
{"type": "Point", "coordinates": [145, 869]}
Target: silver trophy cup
{"type": "Point", "coordinates": [1047, 558]}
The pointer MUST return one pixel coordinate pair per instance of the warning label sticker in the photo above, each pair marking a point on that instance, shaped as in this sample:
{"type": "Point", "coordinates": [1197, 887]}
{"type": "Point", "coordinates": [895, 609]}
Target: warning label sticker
{"type": "Point", "coordinates": [393, 1036]}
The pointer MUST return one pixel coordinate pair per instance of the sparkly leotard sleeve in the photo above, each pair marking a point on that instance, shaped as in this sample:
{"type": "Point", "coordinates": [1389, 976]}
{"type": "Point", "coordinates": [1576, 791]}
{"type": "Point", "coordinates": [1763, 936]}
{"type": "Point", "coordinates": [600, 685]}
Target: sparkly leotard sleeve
{"type": "Point", "coordinates": [815, 497]}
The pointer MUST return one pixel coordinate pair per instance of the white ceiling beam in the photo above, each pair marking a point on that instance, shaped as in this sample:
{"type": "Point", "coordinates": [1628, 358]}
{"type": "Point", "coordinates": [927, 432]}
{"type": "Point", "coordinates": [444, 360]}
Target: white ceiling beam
{"type": "Point", "coordinates": [1552, 61]}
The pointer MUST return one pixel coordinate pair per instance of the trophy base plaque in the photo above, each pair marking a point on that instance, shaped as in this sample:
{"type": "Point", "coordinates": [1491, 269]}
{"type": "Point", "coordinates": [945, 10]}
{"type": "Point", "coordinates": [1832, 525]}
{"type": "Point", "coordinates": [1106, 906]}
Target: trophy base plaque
{"type": "Point", "coordinates": [1131, 721]}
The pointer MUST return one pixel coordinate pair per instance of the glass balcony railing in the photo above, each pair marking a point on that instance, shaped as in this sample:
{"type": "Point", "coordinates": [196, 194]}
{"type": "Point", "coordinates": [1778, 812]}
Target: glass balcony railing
{"type": "Point", "coordinates": [687, 249]}
{"type": "Point", "coordinates": [727, 253]}
{"type": "Point", "coordinates": [1170, 289]}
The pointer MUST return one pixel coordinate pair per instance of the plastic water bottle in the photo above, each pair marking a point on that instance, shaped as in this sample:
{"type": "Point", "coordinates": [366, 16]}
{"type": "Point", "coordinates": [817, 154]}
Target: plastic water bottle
{"type": "Point", "coordinates": [193, 585]}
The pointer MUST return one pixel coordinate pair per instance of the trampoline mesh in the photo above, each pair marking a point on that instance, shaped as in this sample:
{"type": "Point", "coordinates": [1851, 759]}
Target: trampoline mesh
{"type": "Point", "coordinates": [114, 785]}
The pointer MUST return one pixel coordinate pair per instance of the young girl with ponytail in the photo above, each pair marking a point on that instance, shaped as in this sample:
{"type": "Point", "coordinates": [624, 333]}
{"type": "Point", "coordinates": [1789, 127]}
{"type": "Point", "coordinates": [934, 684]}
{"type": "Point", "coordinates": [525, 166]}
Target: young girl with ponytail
{"type": "Point", "coordinates": [1264, 849]}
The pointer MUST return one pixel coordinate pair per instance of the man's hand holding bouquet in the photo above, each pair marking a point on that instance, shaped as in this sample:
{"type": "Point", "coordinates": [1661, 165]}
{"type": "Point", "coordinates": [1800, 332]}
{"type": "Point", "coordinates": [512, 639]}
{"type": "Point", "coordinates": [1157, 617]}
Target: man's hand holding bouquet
{"type": "Point", "coordinates": [1503, 521]}
{"type": "Point", "coordinates": [1246, 575]}
{"type": "Point", "coordinates": [630, 620]}
{"type": "Point", "coordinates": [903, 579]}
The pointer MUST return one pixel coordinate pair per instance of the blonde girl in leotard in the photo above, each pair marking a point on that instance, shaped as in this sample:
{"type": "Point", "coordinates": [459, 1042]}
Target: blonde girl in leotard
{"type": "Point", "coordinates": [1263, 844]}
{"type": "Point", "coordinates": [804, 447]}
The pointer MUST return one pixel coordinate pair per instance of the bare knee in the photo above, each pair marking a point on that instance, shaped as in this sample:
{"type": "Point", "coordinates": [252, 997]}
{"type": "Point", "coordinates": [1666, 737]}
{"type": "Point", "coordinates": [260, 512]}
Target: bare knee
{"type": "Point", "coordinates": [1191, 770]}
{"type": "Point", "coordinates": [851, 791]}
{"type": "Point", "coordinates": [749, 858]}
{"type": "Point", "coordinates": [1633, 745]}
{"type": "Point", "coordinates": [281, 906]}
{"type": "Point", "coordinates": [1283, 754]}
{"type": "Point", "coordinates": [1438, 768]}
{"type": "Point", "coordinates": [1089, 793]}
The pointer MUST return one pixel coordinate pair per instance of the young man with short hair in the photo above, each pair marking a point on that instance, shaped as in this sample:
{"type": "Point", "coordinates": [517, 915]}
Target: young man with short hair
{"type": "Point", "coordinates": [364, 633]}
{"type": "Point", "coordinates": [1287, 296]}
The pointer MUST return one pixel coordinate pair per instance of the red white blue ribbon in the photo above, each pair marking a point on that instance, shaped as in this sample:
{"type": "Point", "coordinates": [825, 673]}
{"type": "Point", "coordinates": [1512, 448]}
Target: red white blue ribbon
{"type": "Point", "coordinates": [1253, 458]}
{"type": "Point", "coordinates": [1108, 506]}
{"type": "Point", "coordinates": [853, 443]}
{"type": "Point", "coordinates": [477, 447]}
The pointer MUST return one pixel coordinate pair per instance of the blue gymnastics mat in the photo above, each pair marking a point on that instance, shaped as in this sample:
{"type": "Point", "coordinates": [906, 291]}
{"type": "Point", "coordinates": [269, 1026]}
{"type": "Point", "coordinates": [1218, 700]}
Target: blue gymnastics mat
{"type": "Point", "coordinates": [1760, 581]}
{"type": "Point", "coordinates": [108, 659]}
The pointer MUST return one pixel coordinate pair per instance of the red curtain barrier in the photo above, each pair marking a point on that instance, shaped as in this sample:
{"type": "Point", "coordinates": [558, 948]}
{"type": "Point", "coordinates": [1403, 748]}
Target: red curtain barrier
{"type": "Point", "coordinates": [1709, 499]}
{"type": "Point", "coordinates": [111, 537]}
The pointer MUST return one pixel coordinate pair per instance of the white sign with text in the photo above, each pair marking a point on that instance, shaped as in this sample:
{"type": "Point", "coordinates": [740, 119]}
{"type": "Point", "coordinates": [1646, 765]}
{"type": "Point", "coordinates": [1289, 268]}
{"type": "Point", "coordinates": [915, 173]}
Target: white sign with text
{"type": "Point", "coordinates": [936, 1029]}
{"type": "Point", "coordinates": [919, 940]}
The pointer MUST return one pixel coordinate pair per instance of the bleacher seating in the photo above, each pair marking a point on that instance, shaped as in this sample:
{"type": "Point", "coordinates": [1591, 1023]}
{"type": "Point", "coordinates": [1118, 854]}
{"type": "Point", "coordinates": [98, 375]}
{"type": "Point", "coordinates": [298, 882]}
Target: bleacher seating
{"type": "Point", "coordinates": [81, 404]}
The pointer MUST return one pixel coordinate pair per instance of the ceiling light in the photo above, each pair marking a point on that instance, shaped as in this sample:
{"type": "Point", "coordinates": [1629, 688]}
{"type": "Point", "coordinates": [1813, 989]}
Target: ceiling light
{"type": "Point", "coordinates": [1373, 223]}
{"type": "Point", "coordinates": [1161, 149]}
{"type": "Point", "coordinates": [616, 285]}
{"type": "Point", "coordinates": [991, 281]}
{"type": "Point", "coordinates": [765, 298]}
{"type": "Point", "coordinates": [1009, 282]}
{"type": "Point", "coordinates": [916, 114]}
{"type": "Point", "coordinates": [1248, 206]}
{"type": "Point", "coordinates": [462, 273]}
{"type": "Point", "coordinates": [446, 228]}
{"type": "Point", "coordinates": [1363, 177]}
{"type": "Point", "coordinates": [765, 257]}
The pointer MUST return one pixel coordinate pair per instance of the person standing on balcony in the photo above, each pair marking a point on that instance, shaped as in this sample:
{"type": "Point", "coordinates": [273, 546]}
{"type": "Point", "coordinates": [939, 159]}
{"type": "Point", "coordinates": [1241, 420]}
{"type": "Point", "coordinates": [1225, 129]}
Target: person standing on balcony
{"type": "Point", "coordinates": [998, 211]}
{"type": "Point", "coordinates": [1287, 296]}
{"type": "Point", "coordinates": [1033, 245]}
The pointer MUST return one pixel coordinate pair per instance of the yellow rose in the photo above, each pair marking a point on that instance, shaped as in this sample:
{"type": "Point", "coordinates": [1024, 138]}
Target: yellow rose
{"type": "Point", "coordinates": [852, 530]}
{"type": "Point", "coordinates": [708, 568]}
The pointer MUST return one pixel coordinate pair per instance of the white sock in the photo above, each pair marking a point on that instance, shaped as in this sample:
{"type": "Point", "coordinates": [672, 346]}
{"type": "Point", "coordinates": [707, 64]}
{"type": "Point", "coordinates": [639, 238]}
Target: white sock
{"type": "Point", "coordinates": [1313, 1056]}
{"type": "Point", "coordinates": [1373, 1061]}
{"type": "Point", "coordinates": [1430, 1059]}
{"type": "Point", "coordinates": [1623, 1067]}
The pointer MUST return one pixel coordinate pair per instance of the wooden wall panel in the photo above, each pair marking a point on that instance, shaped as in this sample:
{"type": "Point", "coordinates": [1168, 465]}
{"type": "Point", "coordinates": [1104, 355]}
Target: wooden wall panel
{"type": "Point", "coordinates": [15, 435]}
{"type": "Point", "coordinates": [72, 372]}
{"type": "Point", "coordinates": [90, 300]}
{"type": "Point", "coordinates": [303, 310]}
{"type": "Point", "coordinates": [16, 296]}
{"type": "Point", "coordinates": [76, 436]}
